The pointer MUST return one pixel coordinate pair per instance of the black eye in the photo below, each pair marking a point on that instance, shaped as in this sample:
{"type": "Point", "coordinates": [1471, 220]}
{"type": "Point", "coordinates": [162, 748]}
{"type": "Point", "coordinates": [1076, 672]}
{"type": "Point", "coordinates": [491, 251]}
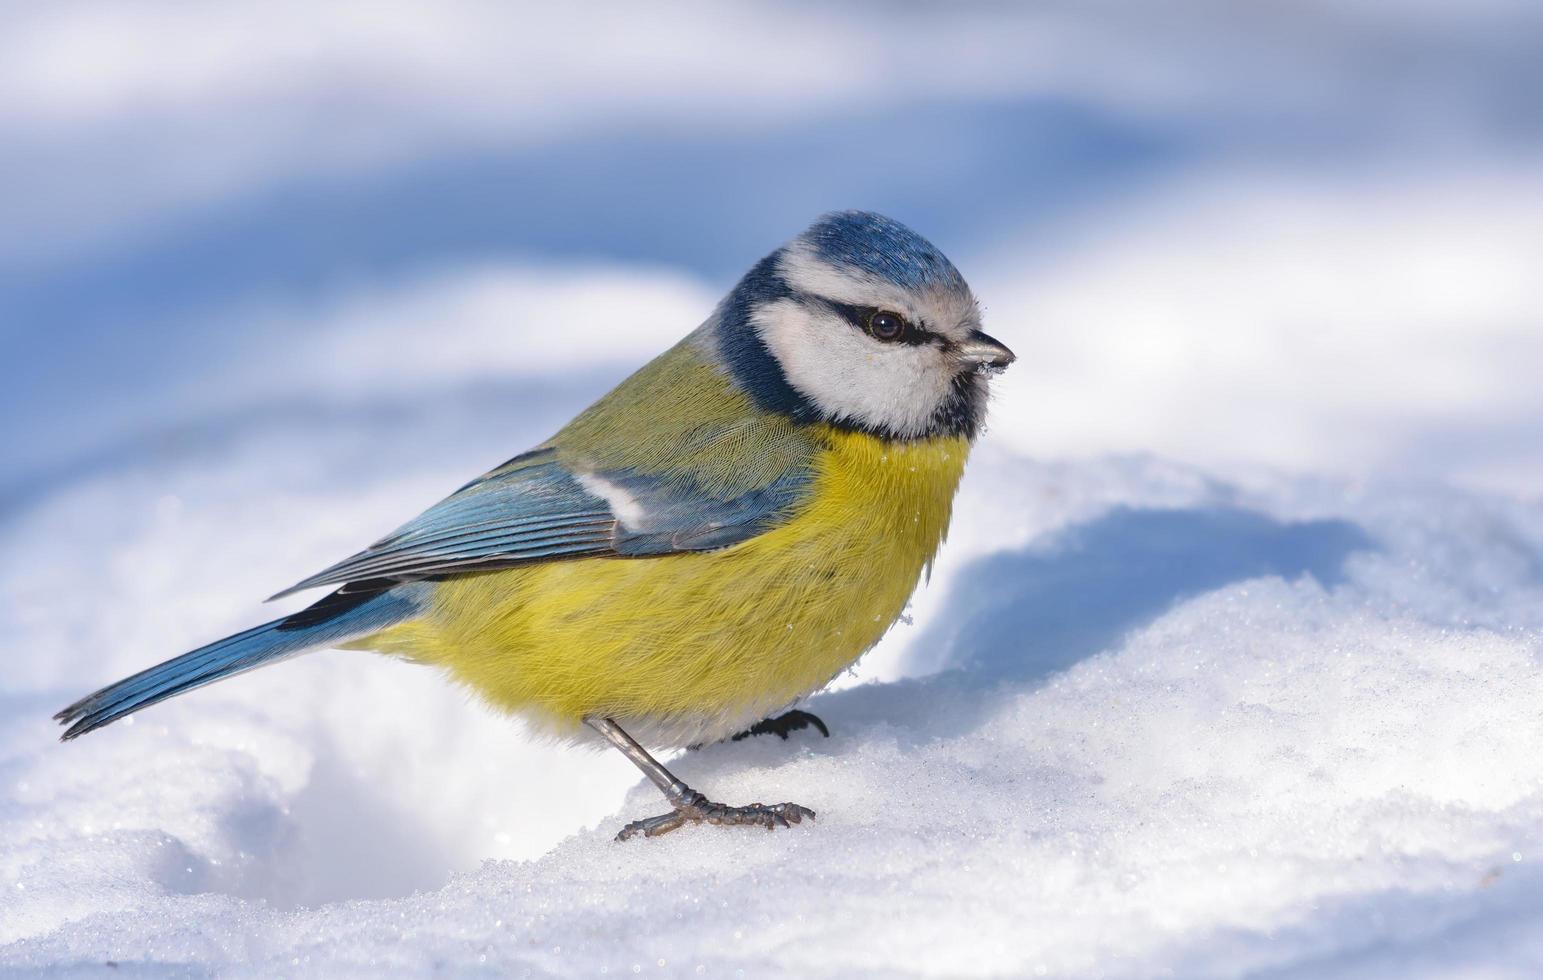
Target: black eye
{"type": "Point", "coordinates": [886, 326]}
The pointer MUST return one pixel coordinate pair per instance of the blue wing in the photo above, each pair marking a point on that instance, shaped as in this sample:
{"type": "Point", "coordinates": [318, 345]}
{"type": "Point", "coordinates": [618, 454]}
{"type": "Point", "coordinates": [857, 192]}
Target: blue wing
{"type": "Point", "coordinates": [535, 509]}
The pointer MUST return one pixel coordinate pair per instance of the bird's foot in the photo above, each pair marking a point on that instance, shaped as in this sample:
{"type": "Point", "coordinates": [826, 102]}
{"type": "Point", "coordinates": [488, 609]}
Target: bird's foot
{"type": "Point", "coordinates": [784, 725]}
{"type": "Point", "coordinates": [696, 808]}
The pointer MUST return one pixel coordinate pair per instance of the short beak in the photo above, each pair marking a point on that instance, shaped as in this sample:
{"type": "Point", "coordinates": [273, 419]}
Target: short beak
{"type": "Point", "coordinates": [983, 350]}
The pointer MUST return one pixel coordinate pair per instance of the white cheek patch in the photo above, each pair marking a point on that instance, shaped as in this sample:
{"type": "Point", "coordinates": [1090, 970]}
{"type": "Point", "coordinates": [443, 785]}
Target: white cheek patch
{"type": "Point", "coordinates": [849, 375]}
{"type": "Point", "coordinates": [622, 503]}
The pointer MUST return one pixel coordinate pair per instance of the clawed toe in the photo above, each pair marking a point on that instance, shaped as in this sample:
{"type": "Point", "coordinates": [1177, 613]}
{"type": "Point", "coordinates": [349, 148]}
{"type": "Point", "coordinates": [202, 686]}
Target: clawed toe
{"type": "Point", "coordinates": [691, 806]}
{"type": "Point", "coordinates": [653, 826]}
{"type": "Point", "coordinates": [754, 815]}
{"type": "Point", "coordinates": [783, 725]}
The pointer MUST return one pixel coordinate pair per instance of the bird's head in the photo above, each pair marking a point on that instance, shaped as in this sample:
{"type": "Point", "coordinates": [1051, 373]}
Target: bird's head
{"type": "Point", "coordinates": [862, 323]}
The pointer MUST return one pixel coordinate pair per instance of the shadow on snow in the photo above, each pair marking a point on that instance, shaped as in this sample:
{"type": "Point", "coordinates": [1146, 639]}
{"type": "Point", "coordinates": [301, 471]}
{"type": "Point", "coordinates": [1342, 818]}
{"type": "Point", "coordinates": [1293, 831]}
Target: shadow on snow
{"type": "Point", "coordinates": [1020, 616]}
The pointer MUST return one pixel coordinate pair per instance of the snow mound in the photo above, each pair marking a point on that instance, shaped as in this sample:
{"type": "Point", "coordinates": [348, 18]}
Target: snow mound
{"type": "Point", "coordinates": [1149, 721]}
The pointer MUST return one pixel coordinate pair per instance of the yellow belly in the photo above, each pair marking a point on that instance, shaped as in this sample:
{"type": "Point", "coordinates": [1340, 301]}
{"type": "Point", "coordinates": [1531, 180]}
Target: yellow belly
{"type": "Point", "coordinates": [694, 646]}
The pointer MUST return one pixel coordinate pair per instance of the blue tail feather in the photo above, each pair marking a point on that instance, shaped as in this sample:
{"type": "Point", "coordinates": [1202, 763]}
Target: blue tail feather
{"type": "Point", "coordinates": [335, 619]}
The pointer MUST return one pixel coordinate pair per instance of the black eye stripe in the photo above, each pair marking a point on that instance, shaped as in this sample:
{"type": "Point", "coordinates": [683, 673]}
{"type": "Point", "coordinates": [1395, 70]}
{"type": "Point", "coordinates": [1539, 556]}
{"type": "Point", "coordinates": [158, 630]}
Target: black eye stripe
{"type": "Point", "coordinates": [861, 317]}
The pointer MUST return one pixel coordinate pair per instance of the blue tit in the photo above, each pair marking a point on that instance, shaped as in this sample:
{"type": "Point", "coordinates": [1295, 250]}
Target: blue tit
{"type": "Point", "coordinates": [718, 537]}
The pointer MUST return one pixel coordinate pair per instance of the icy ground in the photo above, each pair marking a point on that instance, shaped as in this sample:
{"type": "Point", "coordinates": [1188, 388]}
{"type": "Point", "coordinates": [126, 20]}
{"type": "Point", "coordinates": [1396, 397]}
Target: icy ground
{"type": "Point", "coordinates": [1149, 719]}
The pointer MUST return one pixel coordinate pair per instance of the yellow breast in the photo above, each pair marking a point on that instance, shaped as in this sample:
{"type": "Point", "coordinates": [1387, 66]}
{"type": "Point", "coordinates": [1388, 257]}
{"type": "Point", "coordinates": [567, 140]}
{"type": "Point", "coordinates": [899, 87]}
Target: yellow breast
{"type": "Point", "coordinates": [695, 646]}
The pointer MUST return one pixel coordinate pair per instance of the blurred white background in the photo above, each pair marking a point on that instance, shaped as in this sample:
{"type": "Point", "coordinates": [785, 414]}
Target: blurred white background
{"type": "Point", "coordinates": [1294, 234]}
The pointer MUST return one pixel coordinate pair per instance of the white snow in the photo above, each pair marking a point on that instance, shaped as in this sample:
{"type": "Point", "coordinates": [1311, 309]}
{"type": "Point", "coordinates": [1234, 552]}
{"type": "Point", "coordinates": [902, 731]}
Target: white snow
{"type": "Point", "coordinates": [1386, 325]}
{"type": "Point", "coordinates": [1149, 720]}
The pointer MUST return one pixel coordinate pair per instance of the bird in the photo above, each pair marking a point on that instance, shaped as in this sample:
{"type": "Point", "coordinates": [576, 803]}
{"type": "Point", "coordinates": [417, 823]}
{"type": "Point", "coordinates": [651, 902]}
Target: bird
{"type": "Point", "coordinates": [721, 535]}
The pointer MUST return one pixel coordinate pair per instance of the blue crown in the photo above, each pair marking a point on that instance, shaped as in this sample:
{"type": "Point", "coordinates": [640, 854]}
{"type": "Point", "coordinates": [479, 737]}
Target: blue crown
{"type": "Point", "coordinates": [882, 247]}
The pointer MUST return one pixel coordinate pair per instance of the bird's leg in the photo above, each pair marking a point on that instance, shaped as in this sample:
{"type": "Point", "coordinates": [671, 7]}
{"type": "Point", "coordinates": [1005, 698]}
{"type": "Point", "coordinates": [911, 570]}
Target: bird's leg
{"type": "Point", "coordinates": [689, 806]}
{"type": "Point", "coordinates": [783, 725]}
